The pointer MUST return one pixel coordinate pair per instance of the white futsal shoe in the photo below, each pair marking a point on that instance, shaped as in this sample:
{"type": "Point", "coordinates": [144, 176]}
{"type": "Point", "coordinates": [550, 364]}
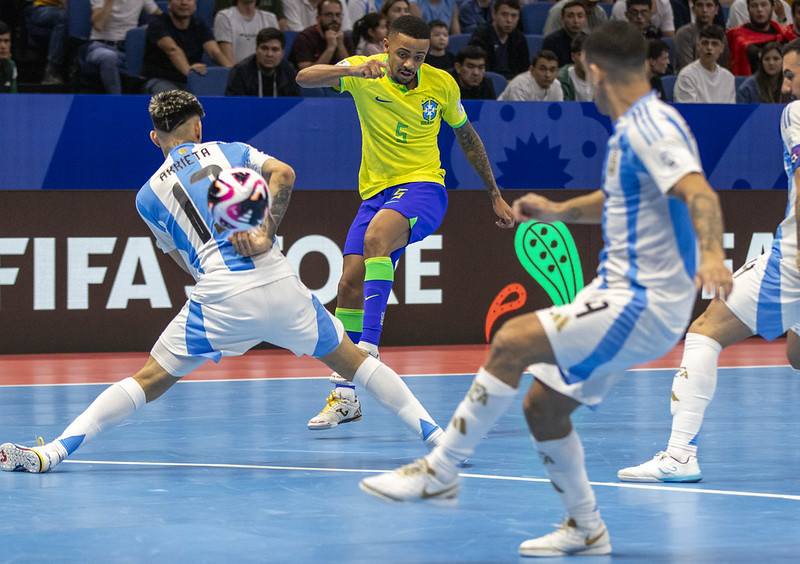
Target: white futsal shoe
{"type": "Point", "coordinates": [37, 460]}
{"type": "Point", "coordinates": [663, 468]}
{"type": "Point", "coordinates": [338, 410]}
{"type": "Point", "coordinates": [569, 540]}
{"type": "Point", "coordinates": [413, 482]}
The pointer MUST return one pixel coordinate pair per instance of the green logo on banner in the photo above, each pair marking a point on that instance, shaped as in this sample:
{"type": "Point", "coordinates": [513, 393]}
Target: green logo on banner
{"type": "Point", "coordinates": [547, 251]}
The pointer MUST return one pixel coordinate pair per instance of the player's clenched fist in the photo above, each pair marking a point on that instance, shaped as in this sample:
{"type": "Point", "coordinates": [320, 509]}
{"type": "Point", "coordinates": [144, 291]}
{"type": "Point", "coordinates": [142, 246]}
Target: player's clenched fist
{"type": "Point", "coordinates": [371, 68]}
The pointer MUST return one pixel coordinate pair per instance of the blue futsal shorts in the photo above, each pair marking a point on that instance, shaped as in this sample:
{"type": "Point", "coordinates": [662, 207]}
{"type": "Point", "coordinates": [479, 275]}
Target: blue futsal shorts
{"type": "Point", "coordinates": [423, 203]}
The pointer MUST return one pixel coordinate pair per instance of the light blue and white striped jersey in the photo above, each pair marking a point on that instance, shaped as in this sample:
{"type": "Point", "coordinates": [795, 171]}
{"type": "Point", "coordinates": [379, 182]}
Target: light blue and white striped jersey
{"type": "Point", "coordinates": [785, 242]}
{"type": "Point", "coordinates": [174, 204]}
{"type": "Point", "coordinates": [650, 245]}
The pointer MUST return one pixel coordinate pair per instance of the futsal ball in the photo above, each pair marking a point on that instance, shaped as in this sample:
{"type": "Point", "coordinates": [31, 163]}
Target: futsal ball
{"type": "Point", "coordinates": [238, 199]}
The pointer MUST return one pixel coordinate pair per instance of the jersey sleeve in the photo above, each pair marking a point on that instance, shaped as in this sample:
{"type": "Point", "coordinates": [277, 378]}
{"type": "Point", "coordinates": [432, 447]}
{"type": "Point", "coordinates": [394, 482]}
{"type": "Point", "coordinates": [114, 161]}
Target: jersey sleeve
{"type": "Point", "coordinates": [350, 83]}
{"type": "Point", "coordinates": [146, 204]}
{"type": "Point", "coordinates": [453, 113]}
{"type": "Point", "coordinates": [790, 133]}
{"type": "Point", "coordinates": [666, 148]}
{"type": "Point", "coordinates": [254, 159]}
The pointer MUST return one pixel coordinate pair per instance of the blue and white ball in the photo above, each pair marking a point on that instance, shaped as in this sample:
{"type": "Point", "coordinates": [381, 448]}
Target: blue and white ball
{"type": "Point", "coordinates": [239, 199]}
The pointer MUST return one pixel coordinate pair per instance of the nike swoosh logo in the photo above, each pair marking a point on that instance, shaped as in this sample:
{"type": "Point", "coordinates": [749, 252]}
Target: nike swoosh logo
{"type": "Point", "coordinates": [372, 296]}
{"type": "Point", "coordinates": [590, 542]}
{"type": "Point", "coordinates": [379, 99]}
{"type": "Point", "coordinates": [426, 495]}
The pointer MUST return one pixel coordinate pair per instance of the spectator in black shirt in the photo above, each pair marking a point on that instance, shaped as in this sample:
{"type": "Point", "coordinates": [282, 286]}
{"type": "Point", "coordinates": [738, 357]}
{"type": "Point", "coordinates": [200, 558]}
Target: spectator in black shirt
{"type": "Point", "coordinates": [470, 74]}
{"type": "Point", "coordinates": [438, 56]}
{"type": "Point", "coordinates": [506, 47]}
{"type": "Point", "coordinates": [573, 20]}
{"type": "Point", "coordinates": [265, 74]}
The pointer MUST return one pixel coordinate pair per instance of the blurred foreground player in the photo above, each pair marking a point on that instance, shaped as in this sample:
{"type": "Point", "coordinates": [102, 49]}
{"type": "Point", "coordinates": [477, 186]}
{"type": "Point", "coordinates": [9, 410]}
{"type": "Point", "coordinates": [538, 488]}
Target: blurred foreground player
{"type": "Point", "coordinates": [634, 311]}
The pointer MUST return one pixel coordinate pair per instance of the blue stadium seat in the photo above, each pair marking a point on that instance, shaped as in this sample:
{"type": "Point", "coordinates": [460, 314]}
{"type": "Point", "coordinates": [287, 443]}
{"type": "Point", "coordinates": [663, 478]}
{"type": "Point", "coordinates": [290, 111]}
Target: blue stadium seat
{"type": "Point", "coordinates": [738, 80]}
{"type": "Point", "coordinates": [668, 82]}
{"type": "Point", "coordinates": [498, 81]}
{"type": "Point", "coordinates": [210, 84]}
{"type": "Point", "coordinates": [534, 42]}
{"type": "Point", "coordinates": [290, 35]}
{"type": "Point", "coordinates": [458, 42]}
{"type": "Point", "coordinates": [134, 50]}
{"type": "Point", "coordinates": [670, 41]}
{"type": "Point", "coordinates": [534, 16]}
{"type": "Point", "coordinates": [205, 11]}
{"type": "Point", "coordinates": [607, 6]}
{"type": "Point", "coordinates": [79, 19]}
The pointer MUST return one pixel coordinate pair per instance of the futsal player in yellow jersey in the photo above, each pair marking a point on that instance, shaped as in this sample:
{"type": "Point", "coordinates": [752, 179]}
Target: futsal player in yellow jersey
{"type": "Point", "coordinates": [400, 103]}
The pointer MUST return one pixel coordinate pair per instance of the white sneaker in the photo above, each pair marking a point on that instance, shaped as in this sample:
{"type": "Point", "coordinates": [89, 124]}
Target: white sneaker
{"type": "Point", "coordinates": [663, 468]}
{"type": "Point", "coordinates": [37, 460]}
{"type": "Point", "coordinates": [569, 540]}
{"type": "Point", "coordinates": [413, 482]}
{"type": "Point", "coordinates": [338, 410]}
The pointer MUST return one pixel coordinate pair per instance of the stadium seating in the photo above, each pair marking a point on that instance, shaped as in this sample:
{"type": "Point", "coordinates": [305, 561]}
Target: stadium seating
{"type": "Point", "coordinates": [79, 19]}
{"type": "Point", "coordinates": [458, 42]}
{"type": "Point", "coordinates": [134, 50]}
{"type": "Point", "coordinates": [534, 42]}
{"type": "Point", "coordinates": [205, 11]}
{"type": "Point", "coordinates": [534, 16]}
{"type": "Point", "coordinates": [210, 84]}
{"type": "Point", "coordinates": [498, 81]}
{"type": "Point", "coordinates": [668, 82]}
{"type": "Point", "coordinates": [290, 35]}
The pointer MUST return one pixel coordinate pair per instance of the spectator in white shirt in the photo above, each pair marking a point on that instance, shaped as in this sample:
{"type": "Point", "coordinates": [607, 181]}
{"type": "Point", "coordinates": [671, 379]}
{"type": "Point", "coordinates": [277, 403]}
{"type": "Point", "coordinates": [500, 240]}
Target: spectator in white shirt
{"type": "Point", "coordinates": [704, 81]}
{"type": "Point", "coordinates": [236, 28]}
{"type": "Point", "coordinates": [538, 83]}
{"type": "Point", "coordinates": [662, 16]}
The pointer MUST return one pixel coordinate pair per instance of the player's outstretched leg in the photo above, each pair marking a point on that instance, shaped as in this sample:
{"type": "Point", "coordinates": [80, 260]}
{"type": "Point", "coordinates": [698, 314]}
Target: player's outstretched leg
{"type": "Point", "coordinates": [384, 385]}
{"type": "Point", "coordinates": [692, 390]}
{"type": "Point", "coordinates": [115, 404]}
{"type": "Point", "coordinates": [436, 476]}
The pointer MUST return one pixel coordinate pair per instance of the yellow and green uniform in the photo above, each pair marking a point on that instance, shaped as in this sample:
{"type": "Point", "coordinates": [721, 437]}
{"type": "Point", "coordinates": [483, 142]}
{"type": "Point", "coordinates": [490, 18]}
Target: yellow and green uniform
{"type": "Point", "coordinates": [400, 127]}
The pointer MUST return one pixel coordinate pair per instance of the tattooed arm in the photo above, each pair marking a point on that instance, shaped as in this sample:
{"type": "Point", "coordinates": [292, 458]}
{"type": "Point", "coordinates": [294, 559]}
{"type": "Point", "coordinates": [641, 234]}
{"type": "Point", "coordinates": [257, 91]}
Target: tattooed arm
{"type": "Point", "coordinates": [475, 152]}
{"type": "Point", "coordinates": [280, 178]}
{"type": "Point", "coordinates": [704, 209]}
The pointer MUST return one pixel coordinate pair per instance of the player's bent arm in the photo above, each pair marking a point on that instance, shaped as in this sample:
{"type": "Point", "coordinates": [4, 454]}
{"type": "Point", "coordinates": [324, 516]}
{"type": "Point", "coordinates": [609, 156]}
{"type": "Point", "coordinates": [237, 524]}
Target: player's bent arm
{"type": "Point", "coordinates": [587, 209]}
{"type": "Point", "coordinates": [280, 178]}
{"type": "Point", "coordinates": [470, 142]}
{"type": "Point", "coordinates": [329, 75]}
{"type": "Point", "coordinates": [706, 215]}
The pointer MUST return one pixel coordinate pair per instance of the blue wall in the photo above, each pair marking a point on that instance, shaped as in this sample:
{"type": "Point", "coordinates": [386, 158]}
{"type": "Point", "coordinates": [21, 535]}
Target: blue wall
{"type": "Point", "coordinates": [101, 142]}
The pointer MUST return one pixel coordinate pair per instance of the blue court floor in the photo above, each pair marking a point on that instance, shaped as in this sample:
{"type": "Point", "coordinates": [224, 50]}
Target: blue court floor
{"type": "Point", "coordinates": [226, 471]}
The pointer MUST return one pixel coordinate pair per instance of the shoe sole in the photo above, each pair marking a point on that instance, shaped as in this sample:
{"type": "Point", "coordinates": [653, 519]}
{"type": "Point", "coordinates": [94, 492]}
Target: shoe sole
{"type": "Point", "coordinates": [650, 480]}
{"type": "Point", "coordinates": [447, 497]}
{"type": "Point", "coordinates": [323, 426]}
{"type": "Point", "coordinates": [16, 458]}
{"type": "Point", "coordinates": [594, 551]}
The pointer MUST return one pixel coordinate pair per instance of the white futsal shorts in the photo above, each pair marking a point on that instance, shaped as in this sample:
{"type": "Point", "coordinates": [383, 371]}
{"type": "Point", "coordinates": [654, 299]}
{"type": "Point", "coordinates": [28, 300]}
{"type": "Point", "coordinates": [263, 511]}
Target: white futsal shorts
{"type": "Point", "coordinates": [283, 313]}
{"type": "Point", "coordinates": [766, 295]}
{"type": "Point", "coordinates": [599, 336]}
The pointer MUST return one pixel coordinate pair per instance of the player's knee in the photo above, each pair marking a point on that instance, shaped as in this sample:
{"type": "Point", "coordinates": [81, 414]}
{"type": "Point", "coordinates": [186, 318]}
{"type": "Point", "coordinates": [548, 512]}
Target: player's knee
{"type": "Point", "coordinates": [350, 287]}
{"type": "Point", "coordinates": [509, 344]}
{"type": "Point", "coordinates": [536, 412]}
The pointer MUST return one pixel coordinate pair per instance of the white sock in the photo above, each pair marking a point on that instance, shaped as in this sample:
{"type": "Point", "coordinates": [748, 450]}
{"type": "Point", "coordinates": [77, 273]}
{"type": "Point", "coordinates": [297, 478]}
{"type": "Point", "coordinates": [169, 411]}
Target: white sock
{"type": "Point", "coordinates": [564, 462]}
{"type": "Point", "coordinates": [692, 390]}
{"type": "Point", "coordinates": [114, 405]}
{"type": "Point", "coordinates": [487, 399]}
{"type": "Point", "coordinates": [385, 385]}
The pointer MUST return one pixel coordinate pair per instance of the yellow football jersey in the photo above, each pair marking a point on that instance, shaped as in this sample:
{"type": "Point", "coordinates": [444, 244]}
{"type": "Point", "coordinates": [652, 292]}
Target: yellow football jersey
{"type": "Point", "coordinates": [400, 127]}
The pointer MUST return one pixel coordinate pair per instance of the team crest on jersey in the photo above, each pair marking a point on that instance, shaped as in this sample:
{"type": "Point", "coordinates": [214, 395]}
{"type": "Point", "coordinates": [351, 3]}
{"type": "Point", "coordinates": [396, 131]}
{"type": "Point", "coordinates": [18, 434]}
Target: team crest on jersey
{"type": "Point", "coordinates": [795, 154]}
{"type": "Point", "coordinates": [429, 109]}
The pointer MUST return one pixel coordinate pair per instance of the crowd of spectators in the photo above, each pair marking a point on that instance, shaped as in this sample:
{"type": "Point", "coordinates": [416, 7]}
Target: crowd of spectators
{"type": "Point", "coordinates": [699, 50]}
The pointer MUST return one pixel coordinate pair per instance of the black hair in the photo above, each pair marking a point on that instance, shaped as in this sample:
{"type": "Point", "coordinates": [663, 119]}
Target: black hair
{"type": "Point", "coordinates": [656, 48]}
{"type": "Point", "coordinates": [618, 48]}
{"type": "Point", "coordinates": [576, 46]}
{"type": "Point", "coordinates": [513, 4]}
{"type": "Point", "coordinates": [270, 33]}
{"type": "Point", "coordinates": [470, 52]}
{"type": "Point", "coordinates": [4, 28]}
{"type": "Point", "coordinates": [171, 109]}
{"type": "Point", "coordinates": [411, 26]}
{"type": "Point", "coordinates": [362, 26]}
{"type": "Point", "coordinates": [712, 32]}
{"type": "Point", "coordinates": [545, 54]}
